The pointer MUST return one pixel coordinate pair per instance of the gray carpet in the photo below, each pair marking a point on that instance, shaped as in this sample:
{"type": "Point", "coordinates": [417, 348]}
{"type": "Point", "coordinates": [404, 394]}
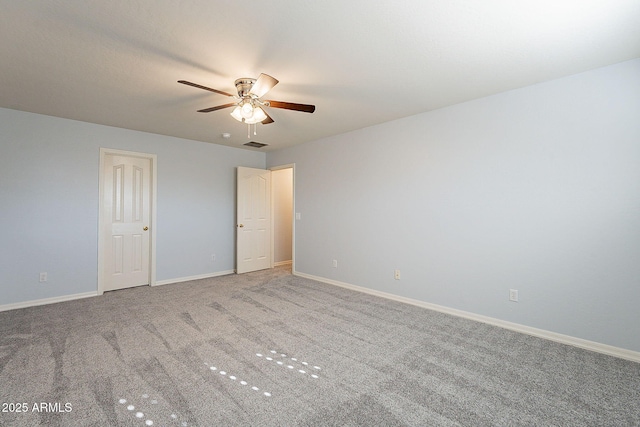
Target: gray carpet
{"type": "Point", "coordinates": [271, 349]}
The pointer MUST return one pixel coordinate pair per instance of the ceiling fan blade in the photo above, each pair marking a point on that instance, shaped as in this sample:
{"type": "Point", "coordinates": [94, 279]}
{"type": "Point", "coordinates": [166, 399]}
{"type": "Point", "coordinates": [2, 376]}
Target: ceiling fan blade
{"type": "Point", "coordinates": [263, 85]}
{"type": "Point", "coordinates": [267, 120]}
{"type": "Point", "coordinates": [184, 82]}
{"type": "Point", "coordinates": [219, 107]}
{"type": "Point", "coordinates": [292, 106]}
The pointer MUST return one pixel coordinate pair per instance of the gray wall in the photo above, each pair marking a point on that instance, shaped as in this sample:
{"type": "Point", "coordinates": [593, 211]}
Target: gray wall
{"type": "Point", "coordinates": [536, 189]}
{"type": "Point", "coordinates": [49, 203]}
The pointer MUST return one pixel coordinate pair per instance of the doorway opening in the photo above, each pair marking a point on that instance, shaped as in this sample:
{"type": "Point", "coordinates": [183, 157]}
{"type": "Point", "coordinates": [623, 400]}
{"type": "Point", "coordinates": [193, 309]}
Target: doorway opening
{"type": "Point", "coordinates": [283, 215]}
{"type": "Point", "coordinates": [265, 231]}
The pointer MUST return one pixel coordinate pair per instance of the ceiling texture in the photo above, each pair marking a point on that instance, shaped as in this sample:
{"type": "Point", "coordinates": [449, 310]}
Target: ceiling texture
{"type": "Point", "coordinates": [117, 62]}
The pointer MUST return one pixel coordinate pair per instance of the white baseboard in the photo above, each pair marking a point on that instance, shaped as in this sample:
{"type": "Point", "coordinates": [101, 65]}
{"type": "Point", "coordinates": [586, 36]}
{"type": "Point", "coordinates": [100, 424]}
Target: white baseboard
{"type": "Point", "coordinates": [53, 300]}
{"type": "Point", "coordinates": [45, 301]}
{"type": "Point", "coordinates": [279, 263]}
{"type": "Point", "coordinates": [609, 350]}
{"type": "Point", "coordinates": [198, 277]}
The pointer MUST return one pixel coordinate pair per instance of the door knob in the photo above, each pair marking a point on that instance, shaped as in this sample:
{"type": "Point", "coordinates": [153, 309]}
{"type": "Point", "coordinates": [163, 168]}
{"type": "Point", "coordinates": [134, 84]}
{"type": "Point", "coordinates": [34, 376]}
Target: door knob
{"type": "Point", "coordinates": [241, 225]}
{"type": "Point", "coordinates": [146, 228]}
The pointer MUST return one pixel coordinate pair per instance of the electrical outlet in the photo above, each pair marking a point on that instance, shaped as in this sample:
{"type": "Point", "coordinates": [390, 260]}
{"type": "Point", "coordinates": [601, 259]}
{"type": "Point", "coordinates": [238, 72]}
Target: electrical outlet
{"type": "Point", "coordinates": [43, 277]}
{"type": "Point", "coordinates": [335, 263]}
{"type": "Point", "coordinates": [396, 274]}
{"type": "Point", "coordinates": [513, 295]}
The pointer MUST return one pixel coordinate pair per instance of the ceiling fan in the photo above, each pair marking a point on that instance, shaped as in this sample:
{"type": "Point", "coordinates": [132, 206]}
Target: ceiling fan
{"type": "Point", "coordinates": [249, 105]}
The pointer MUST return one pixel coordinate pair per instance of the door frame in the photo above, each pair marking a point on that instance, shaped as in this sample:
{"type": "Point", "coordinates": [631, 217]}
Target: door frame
{"type": "Point", "coordinates": [152, 215]}
{"type": "Point", "coordinates": [291, 166]}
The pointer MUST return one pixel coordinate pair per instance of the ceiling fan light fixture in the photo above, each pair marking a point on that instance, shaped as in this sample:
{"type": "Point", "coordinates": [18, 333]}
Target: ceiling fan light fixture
{"type": "Point", "coordinates": [258, 116]}
{"type": "Point", "coordinates": [236, 114]}
{"type": "Point", "coordinates": [247, 110]}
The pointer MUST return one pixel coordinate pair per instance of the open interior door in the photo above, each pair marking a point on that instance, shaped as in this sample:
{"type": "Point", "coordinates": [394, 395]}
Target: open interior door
{"type": "Point", "coordinates": [253, 241]}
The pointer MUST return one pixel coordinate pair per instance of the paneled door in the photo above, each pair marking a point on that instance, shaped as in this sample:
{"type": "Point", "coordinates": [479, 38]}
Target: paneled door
{"type": "Point", "coordinates": [253, 243]}
{"type": "Point", "coordinates": [125, 221]}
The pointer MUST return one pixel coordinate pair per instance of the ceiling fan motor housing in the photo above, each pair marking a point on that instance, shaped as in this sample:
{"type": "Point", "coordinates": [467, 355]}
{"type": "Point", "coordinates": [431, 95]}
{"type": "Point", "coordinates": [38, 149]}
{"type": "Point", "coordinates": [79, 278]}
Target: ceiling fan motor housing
{"type": "Point", "coordinates": [244, 85]}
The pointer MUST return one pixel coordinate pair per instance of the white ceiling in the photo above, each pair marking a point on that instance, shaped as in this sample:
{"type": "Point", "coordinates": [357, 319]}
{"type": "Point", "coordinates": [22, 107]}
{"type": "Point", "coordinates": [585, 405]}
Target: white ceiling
{"type": "Point", "coordinates": [117, 62]}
